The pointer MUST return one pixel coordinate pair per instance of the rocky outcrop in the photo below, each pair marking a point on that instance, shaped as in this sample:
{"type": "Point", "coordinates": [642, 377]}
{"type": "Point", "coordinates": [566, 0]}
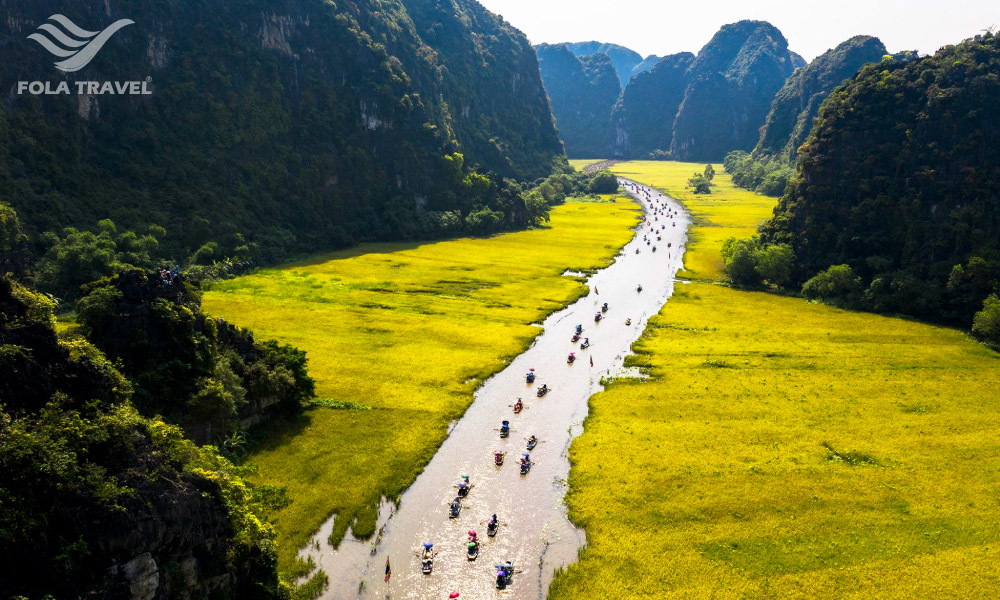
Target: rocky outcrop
{"type": "Point", "coordinates": [582, 92]}
{"type": "Point", "coordinates": [731, 85]}
{"type": "Point", "coordinates": [797, 103]}
{"type": "Point", "coordinates": [643, 117]}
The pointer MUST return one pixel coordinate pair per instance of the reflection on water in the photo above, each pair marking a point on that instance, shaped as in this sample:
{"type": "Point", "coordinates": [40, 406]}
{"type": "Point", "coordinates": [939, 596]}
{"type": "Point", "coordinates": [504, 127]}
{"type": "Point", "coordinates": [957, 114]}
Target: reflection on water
{"type": "Point", "coordinates": [535, 533]}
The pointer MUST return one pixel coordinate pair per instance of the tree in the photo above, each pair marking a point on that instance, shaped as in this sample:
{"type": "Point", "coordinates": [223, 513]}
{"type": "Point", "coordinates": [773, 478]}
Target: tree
{"type": "Point", "coordinates": [709, 172]}
{"type": "Point", "coordinates": [838, 284]}
{"type": "Point", "coordinates": [986, 323]}
{"type": "Point", "coordinates": [741, 266]}
{"type": "Point", "coordinates": [537, 207]}
{"type": "Point", "coordinates": [700, 184]}
{"type": "Point", "coordinates": [604, 182]}
{"type": "Point", "coordinates": [774, 263]}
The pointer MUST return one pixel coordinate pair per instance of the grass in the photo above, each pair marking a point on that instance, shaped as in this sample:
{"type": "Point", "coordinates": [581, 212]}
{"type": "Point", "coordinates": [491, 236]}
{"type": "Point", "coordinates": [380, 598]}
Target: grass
{"type": "Point", "coordinates": [398, 337]}
{"type": "Point", "coordinates": [581, 163]}
{"type": "Point", "coordinates": [783, 449]}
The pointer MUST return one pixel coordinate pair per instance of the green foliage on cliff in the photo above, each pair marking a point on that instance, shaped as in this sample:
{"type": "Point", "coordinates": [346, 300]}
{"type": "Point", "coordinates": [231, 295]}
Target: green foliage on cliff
{"type": "Point", "coordinates": [582, 92]}
{"type": "Point", "coordinates": [899, 181]}
{"type": "Point", "coordinates": [302, 125]}
{"type": "Point", "coordinates": [643, 117]}
{"type": "Point", "coordinates": [797, 102]}
{"type": "Point", "coordinates": [732, 83]}
{"type": "Point", "coordinates": [203, 374]}
{"type": "Point", "coordinates": [97, 498]}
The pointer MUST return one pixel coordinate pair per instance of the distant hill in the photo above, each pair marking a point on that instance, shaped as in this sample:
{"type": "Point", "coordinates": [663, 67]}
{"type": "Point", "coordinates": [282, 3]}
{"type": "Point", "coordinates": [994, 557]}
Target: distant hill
{"type": "Point", "coordinates": [900, 180]}
{"type": "Point", "coordinates": [797, 102]}
{"type": "Point", "coordinates": [647, 64]}
{"type": "Point", "coordinates": [582, 92]}
{"type": "Point", "coordinates": [624, 59]}
{"type": "Point", "coordinates": [732, 83]}
{"type": "Point", "coordinates": [305, 125]}
{"type": "Point", "coordinates": [797, 60]}
{"type": "Point", "coordinates": [643, 117]}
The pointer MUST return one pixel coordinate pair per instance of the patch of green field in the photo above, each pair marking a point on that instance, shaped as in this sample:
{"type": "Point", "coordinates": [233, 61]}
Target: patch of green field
{"type": "Point", "coordinates": [783, 449]}
{"type": "Point", "coordinates": [409, 331]}
{"type": "Point", "coordinates": [581, 163]}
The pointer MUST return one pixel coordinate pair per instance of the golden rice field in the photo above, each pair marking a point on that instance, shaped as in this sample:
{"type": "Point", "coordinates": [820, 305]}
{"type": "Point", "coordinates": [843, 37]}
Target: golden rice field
{"type": "Point", "coordinates": [782, 449]}
{"type": "Point", "coordinates": [728, 211]}
{"type": "Point", "coordinates": [581, 163]}
{"type": "Point", "coordinates": [402, 334]}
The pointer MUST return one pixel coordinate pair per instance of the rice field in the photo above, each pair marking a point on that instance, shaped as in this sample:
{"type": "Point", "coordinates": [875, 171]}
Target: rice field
{"type": "Point", "coordinates": [581, 163]}
{"type": "Point", "coordinates": [398, 337]}
{"type": "Point", "coordinates": [782, 449]}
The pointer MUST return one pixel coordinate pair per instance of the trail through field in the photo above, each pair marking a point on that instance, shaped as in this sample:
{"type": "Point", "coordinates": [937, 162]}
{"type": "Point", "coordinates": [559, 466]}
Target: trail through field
{"type": "Point", "coordinates": [535, 533]}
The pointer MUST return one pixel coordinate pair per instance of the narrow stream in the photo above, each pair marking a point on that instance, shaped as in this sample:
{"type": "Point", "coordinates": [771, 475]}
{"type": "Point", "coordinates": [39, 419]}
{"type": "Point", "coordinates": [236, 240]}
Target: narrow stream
{"type": "Point", "coordinates": [535, 533]}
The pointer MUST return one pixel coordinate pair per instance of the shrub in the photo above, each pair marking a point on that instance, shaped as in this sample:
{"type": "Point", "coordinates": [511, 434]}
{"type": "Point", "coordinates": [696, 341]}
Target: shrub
{"type": "Point", "coordinates": [838, 284]}
{"type": "Point", "coordinates": [986, 323]}
{"type": "Point", "coordinates": [604, 182]}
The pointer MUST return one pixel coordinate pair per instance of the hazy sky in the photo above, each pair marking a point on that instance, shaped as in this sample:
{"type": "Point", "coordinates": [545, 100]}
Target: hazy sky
{"type": "Point", "coordinates": [811, 26]}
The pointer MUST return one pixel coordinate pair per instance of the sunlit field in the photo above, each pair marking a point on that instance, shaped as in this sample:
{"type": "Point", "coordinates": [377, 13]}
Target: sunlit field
{"type": "Point", "coordinates": [581, 163]}
{"type": "Point", "coordinates": [399, 336]}
{"type": "Point", "coordinates": [728, 212]}
{"type": "Point", "coordinates": [783, 449]}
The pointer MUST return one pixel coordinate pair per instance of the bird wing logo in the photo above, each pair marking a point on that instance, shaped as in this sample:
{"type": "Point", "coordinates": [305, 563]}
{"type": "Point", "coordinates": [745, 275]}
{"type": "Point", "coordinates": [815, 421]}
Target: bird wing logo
{"type": "Point", "coordinates": [76, 45]}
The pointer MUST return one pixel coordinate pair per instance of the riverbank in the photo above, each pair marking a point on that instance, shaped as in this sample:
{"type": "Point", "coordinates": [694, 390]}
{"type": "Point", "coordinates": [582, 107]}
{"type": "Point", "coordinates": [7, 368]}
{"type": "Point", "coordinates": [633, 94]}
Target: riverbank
{"type": "Point", "coordinates": [782, 448]}
{"type": "Point", "coordinates": [398, 338]}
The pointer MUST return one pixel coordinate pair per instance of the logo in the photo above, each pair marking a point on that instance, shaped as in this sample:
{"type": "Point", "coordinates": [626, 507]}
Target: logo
{"type": "Point", "coordinates": [74, 44]}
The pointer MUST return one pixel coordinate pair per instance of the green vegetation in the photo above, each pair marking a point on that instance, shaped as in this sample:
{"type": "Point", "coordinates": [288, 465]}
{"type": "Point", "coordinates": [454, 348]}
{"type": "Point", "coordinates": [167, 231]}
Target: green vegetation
{"type": "Point", "coordinates": [732, 83]}
{"type": "Point", "coordinates": [795, 107]}
{"type": "Point", "coordinates": [840, 454]}
{"type": "Point", "coordinates": [895, 183]}
{"type": "Point", "coordinates": [643, 117]}
{"type": "Point", "coordinates": [408, 331]}
{"type": "Point", "coordinates": [87, 484]}
{"type": "Point", "coordinates": [303, 125]}
{"type": "Point", "coordinates": [582, 91]}
{"type": "Point", "coordinates": [797, 103]}
{"type": "Point", "coordinates": [208, 376]}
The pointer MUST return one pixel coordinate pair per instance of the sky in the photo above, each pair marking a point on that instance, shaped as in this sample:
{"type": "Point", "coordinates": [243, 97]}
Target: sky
{"type": "Point", "coordinates": [811, 27]}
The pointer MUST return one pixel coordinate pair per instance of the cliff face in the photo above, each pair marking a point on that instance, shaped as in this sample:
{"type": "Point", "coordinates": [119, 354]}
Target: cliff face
{"type": "Point", "coordinates": [732, 83]}
{"type": "Point", "coordinates": [582, 92]}
{"type": "Point", "coordinates": [491, 82]}
{"type": "Point", "coordinates": [797, 102]}
{"type": "Point", "coordinates": [303, 123]}
{"type": "Point", "coordinates": [643, 117]}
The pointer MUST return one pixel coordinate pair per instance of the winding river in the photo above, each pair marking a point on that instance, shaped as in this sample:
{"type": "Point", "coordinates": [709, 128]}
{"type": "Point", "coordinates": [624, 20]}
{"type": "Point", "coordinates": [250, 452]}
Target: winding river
{"type": "Point", "coordinates": [535, 533]}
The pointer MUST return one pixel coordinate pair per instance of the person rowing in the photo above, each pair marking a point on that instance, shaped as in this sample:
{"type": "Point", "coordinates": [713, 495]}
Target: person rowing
{"type": "Point", "coordinates": [498, 456]}
{"type": "Point", "coordinates": [518, 406]}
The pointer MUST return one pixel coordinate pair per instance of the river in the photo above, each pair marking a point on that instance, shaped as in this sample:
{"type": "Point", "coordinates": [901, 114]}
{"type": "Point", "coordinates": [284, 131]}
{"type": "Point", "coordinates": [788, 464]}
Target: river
{"type": "Point", "coordinates": [535, 533]}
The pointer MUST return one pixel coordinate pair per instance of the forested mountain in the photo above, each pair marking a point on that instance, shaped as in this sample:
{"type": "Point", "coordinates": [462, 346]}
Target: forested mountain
{"type": "Point", "coordinates": [99, 502]}
{"type": "Point", "coordinates": [797, 60]}
{"type": "Point", "coordinates": [303, 124]}
{"type": "Point", "coordinates": [582, 92]}
{"type": "Point", "coordinates": [643, 117]}
{"type": "Point", "coordinates": [624, 59]}
{"type": "Point", "coordinates": [732, 83]}
{"type": "Point", "coordinates": [797, 102]}
{"type": "Point", "coordinates": [900, 181]}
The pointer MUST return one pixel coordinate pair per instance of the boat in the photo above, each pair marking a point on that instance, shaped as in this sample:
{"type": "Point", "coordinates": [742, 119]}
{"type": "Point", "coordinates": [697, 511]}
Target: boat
{"type": "Point", "coordinates": [455, 508]}
{"type": "Point", "coordinates": [532, 442]}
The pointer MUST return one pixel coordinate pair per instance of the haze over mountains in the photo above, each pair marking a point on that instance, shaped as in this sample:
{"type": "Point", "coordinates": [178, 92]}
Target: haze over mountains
{"type": "Point", "coordinates": [702, 107]}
